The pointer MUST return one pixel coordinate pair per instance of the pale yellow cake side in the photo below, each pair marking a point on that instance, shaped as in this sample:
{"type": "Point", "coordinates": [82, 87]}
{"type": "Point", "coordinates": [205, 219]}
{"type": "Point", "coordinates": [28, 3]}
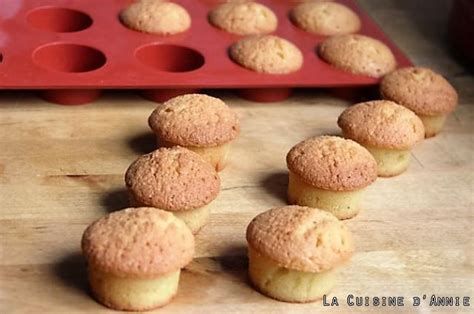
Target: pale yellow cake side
{"type": "Point", "coordinates": [215, 155]}
{"type": "Point", "coordinates": [133, 294]}
{"type": "Point", "coordinates": [390, 162]}
{"type": "Point", "coordinates": [433, 124]}
{"type": "Point", "coordinates": [286, 284]}
{"type": "Point", "coordinates": [342, 204]}
{"type": "Point", "coordinates": [195, 219]}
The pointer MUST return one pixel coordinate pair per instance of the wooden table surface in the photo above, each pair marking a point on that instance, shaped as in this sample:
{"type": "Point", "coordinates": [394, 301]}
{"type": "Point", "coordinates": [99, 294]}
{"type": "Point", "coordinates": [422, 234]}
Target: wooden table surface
{"type": "Point", "coordinates": [62, 167]}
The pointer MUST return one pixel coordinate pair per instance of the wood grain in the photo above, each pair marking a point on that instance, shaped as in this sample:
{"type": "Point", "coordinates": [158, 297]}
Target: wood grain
{"type": "Point", "coordinates": [62, 167]}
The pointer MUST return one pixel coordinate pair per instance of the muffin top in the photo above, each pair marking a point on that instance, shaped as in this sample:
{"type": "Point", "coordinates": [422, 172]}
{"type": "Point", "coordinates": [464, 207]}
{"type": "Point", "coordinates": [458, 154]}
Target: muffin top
{"type": "Point", "coordinates": [244, 18]}
{"type": "Point", "coordinates": [157, 17]}
{"type": "Point", "coordinates": [300, 238]}
{"type": "Point", "coordinates": [332, 163]}
{"type": "Point", "coordinates": [173, 179]}
{"type": "Point", "coordinates": [195, 120]}
{"type": "Point", "coordinates": [358, 54]}
{"type": "Point", "coordinates": [138, 242]}
{"type": "Point", "coordinates": [325, 18]}
{"type": "Point", "coordinates": [267, 54]}
{"type": "Point", "coordinates": [382, 123]}
{"type": "Point", "coordinates": [421, 90]}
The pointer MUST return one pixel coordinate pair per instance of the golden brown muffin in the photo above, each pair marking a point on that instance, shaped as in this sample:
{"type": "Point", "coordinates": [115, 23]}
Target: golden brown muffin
{"type": "Point", "coordinates": [157, 17]}
{"type": "Point", "coordinates": [388, 131]}
{"type": "Point", "coordinates": [174, 179]}
{"type": "Point", "coordinates": [295, 252]}
{"type": "Point", "coordinates": [325, 18]}
{"type": "Point", "coordinates": [203, 124]}
{"type": "Point", "coordinates": [358, 54]}
{"type": "Point", "coordinates": [135, 256]}
{"type": "Point", "coordinates": [267, 54]}
{"type": "Point", "coordinates": [244, 18]}
{"type": "Point", "coordinates": [423, 91]}
{"type": "Point", "coordinates": [330, 173]}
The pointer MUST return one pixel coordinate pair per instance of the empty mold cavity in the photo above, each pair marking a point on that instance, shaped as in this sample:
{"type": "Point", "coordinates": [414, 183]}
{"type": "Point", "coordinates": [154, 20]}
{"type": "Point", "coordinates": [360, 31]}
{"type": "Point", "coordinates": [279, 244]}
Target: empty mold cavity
{"type": "Point", "coordinates": [59, 20]}
{"type": "Point", "coordinates": [1, 57]}
{"type": "Point", "coordinates": [170, 58]}
{"type": "Point", "coordinates": [69, 58]}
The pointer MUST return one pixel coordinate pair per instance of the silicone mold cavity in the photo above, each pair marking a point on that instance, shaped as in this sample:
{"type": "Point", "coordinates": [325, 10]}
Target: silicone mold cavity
{"type": "Point", "coordinates": [59, 20]}
{"type": "Point", "coordinates": [69, 58]}
{"type": "Point", "coordinates": [70, 97]}
{"type": "Point", "coordinates": [162, 95]}
{"type": "Point", "coordinates": [170, 58]}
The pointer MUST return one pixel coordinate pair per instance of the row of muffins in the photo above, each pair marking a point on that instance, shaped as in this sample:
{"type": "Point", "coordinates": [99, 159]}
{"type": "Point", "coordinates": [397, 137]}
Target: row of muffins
{"type": "Point", "coordinates": [135, 255]}
{"type": "Point", "coordinates": [271, 54]}
{"type": "Point", "coordinates": [163, 17]}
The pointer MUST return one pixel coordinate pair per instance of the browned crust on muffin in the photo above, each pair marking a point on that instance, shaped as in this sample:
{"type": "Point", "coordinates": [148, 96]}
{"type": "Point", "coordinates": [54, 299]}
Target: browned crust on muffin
{"type": "Point", "coordinates": [267, 54]}
{"type": "Point", "coordinates": [300, 238]}
{"type": "Point", "coordinates": [138, 242]}
{"type": "Point", "coordinates": [358, 54]}
{"type": "Point", "coordinates": [382, 123]}
{"type": "Point", "coordinates": [157, 17]}
{"type": "Point", "coordinates": [173, 179]}
{"type": "Point", "coordinates": [244, 18]}
{"type": "Point", "coordinates": [421, 90]}
{"type": "Point", "coordinates": [195, 120]}
{"type": "Point", "coordinates": [332, 163]}
{"type": "Point", "coordinates": [325, 18]}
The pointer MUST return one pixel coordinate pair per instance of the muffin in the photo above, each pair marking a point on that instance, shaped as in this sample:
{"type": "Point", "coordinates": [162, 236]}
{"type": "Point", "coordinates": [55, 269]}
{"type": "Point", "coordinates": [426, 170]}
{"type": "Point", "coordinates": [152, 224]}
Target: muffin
{"type": "Point", "coordinates": [330, 173]}
{"type": "Point", "coordinates": [174, 179]}
{"type": "Point", "coordinates": [325, 18]}
{"type": "Point", "coordinates": [156, 17]}
{"type": "Point", "coordinates": [267, 54]}
{"type": "Point", "coordinates": [388, 131]}
{"type": "Point", "coordinates": [358, 54]}
{"type": "Point", "coordinates": [295, 252]}
{"type": "Point", "coordinates": [244, 18]}
{"type": "Point", "coordinates": [203, 124]}
{"type": "Point", "coordinates": [135, 257]}
{"type": "Point", "coordinates": [423, 91]}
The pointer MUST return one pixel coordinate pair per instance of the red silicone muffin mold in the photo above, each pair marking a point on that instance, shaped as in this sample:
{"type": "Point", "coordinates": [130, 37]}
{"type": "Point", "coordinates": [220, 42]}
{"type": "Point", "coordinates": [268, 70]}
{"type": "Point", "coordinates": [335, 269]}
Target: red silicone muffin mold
{"type": "Point", "coordinates": [71, 50]}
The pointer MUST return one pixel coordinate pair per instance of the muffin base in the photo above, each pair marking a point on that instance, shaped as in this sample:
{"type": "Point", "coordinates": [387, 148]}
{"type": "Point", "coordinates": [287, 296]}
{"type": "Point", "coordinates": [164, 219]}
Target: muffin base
{"type": "Point", "coordinates": [288, 285]}
{"type": "Point", "coordinates": [390, 162]}
{"type": "Point", "coordinates": [433, 124]}
{"type": "Point", "coordinates": [133, 294]}
{"type": "Point", "coordinates": [195, 219]}
{"type": "Point", "coordinates": [215, 155]}
{"type": "Point", "coordinates": [343, 204]}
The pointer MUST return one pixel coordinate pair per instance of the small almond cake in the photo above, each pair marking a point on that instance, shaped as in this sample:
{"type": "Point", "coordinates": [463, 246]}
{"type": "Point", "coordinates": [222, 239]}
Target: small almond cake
{"type": "Point", "coordinates": [295, 252]}
{"type": "Point", "coordinates": [267, 54]}
{"type": "Point", "coordinates": [330, 173]}
{"type": "Point", "coordinates": [423, 91]}
{"type": "Point", "coordinates": [201, 123]}
{"type": "Point", "coordinates": [388, 131]}
{"type": "Point", "coordinates": [156, 17]}
{"type": "Point", "coordinates": [325, 18]}
{"type": "Point", "coordinates": [358, 54]}
{"type": "Point", "coordinates": [135, 257]}
{"type": "Point", "coordinates": [244, 18]}
{"type": "Point", "coordinates": [177, 180]}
